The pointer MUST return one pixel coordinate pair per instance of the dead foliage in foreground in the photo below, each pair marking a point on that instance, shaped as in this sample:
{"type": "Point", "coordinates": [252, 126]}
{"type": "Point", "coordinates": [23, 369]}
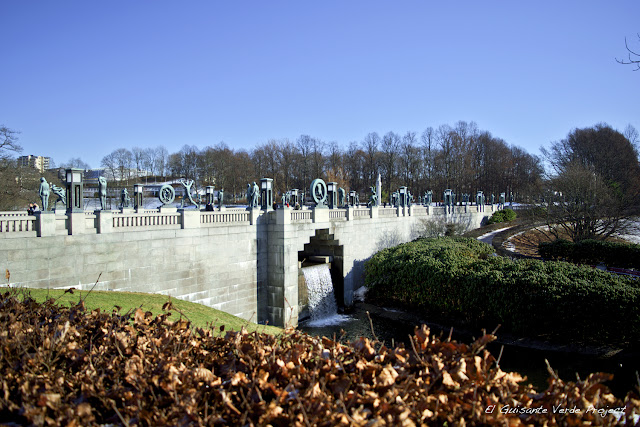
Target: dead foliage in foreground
{"type": "Point", "coordinates": [68, 366]}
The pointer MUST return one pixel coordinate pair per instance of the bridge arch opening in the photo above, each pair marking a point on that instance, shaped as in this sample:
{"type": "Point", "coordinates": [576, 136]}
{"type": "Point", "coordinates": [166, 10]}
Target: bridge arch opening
{"type": "Point", "coordinates": [323, 247]}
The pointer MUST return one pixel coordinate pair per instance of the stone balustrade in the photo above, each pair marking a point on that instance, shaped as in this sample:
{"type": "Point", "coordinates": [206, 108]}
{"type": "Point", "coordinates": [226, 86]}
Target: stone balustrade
{"type": "Point", "coordinates": [100, 222]}
{"type": "Point", "coordinates": [17, 223]}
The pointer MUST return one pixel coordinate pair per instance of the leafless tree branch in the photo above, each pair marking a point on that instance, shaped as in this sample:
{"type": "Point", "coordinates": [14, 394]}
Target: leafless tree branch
{"type": "Point", "coordinates": [634, 57]}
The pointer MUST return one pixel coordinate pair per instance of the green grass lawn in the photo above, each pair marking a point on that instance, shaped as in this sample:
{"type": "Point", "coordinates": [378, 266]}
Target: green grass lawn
{"type": "Point", "coordinates": [198, 314]}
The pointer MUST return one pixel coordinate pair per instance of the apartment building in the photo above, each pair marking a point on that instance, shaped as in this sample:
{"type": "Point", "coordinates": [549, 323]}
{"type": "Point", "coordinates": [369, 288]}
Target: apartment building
{"type": "Point", "coordinates": [39, 162]}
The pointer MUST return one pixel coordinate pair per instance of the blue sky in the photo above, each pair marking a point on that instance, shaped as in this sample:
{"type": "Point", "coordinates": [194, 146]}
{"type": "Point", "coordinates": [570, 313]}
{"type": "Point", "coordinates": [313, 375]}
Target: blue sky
{"type": "Point", "coordinates": [83, 78]}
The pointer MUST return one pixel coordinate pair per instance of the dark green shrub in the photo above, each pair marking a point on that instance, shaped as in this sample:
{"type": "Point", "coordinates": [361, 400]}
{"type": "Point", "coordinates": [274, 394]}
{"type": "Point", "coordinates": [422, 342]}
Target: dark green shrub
{"type": "Point", "coordinates": [592, 252]}
{"type": "Point", "coordinates": [457, 277]}
{"type": "Point", "coordinates": [503, 215]}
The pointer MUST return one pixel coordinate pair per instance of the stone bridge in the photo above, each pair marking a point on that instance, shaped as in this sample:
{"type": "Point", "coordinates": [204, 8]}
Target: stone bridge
{"type": "Point", "coordinates": [244, 262]}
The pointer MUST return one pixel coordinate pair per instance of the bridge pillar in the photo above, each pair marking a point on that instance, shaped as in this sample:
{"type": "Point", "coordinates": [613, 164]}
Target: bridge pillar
{"type": "Point", "coordinates": [349, 214]}
{"type": "Point", "coordinates": [254, 213]}
{"type": "Point", "coordinates": [320, 215]}
{"type": "Point", "coordinates": [282, 270]}
{"type": "Point", "coordinates": [76, 222]}
{"type": "Point", "coordinates": [283, 215]}
{"type": "Point", "coordinates": [45, 223]}
{"type": "Point", "coordinates": [104, 221]}
{"type": "Point", "coordinates": [189, 218]}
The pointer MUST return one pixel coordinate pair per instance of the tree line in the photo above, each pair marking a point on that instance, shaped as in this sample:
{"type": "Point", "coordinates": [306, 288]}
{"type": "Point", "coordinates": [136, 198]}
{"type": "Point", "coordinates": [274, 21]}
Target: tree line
{"type": "Point", "coordinates": [460, 157]}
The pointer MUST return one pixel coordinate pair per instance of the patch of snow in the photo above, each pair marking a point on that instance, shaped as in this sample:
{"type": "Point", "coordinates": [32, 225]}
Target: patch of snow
{"type": "Point", "coordinates": [510, 246]}
{"type": "Point", "coordinates": [488, 237]}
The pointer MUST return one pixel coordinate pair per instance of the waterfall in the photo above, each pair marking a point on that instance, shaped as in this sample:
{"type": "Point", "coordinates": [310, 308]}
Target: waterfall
{"type": "Point", "coordinates": [322, 301]}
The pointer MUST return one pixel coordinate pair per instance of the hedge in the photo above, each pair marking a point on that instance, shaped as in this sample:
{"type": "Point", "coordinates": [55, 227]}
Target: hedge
{"type": "Point", "coordinates": [504, 215]}
{"type": "Point", "coordinates": [456, 277]}
{"type": "Point", "coordinates": [623, 255]}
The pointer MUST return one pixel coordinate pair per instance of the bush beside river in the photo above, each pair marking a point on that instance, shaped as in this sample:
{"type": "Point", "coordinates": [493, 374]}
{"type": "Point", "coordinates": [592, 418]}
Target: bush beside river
{"type": "Point", "coordinates": [458, 278]}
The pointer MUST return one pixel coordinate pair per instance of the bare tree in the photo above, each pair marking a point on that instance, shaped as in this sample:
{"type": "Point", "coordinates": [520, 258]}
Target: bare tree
{"type": "Point", "coordinates": [409, 159]}
{"type": "Point", "coordinates": [160, 160]}
{"type": "Point", "coordinates": [390, 149]}
{"type": "Point", "coordinates": [109, 162]}
{"type": "Point", "coordinates": [354, 166]}
{"type": "Point", "coordinates": [633, 57]}
{"type": "Point", "coordinates": [138, 159]}
{"type": "Point", "coordinates": [148, 163]}
{"type": "Point", "coordinates": [305, 146]}
{"type": "Point", "coordinates": [8, 142]}
{"type": "Point", "coordinates": [75, 162]}
{"type": "Point", "coordinates": [593, 192]}
{"type": "Point", "coordinates": [428, 151]}
{"type": "Point", "coordinates": [287, 158]}
{"type": "Point", "coordinates": [370, 147]}
{"type": "Point", "coordinates": [633, 136]}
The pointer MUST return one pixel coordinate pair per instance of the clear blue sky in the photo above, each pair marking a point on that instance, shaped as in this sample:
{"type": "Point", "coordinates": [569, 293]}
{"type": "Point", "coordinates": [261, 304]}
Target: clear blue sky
{"type": "Point", "coordinates": [82, 78]}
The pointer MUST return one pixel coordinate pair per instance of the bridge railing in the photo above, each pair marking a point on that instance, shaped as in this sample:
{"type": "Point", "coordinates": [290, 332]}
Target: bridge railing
{"type": "Point", "coordinates": [18, 223]}
{"type": "Point", "coordinates": [361, 213]}
{"type": "Point", "coordinates": [388, 211]}
{"type": "Point", "coordinates": [301, 215]}
{"type": "Point", "coordinates": [420, 210]}
{"type": "Point", "coordinates": [235, 215]}
{"type": "Point", "coordinates": [49, 224]}
{"type": "Point", "coordinates": [338, 214]}
{"type": "Point", "coordinates": [13, 213]}
{"type": "Point", "coordinates": [155, 219]}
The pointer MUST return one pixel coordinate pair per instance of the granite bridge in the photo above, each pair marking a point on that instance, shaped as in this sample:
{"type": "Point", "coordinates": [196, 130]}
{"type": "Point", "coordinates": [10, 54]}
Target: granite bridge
{"type": "Point", "coordinates": [244, 262]}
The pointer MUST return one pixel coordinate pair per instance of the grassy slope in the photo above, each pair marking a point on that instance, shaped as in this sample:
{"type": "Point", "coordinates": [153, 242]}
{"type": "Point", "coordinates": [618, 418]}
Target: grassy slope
{"type": "Point", "coordinates": [198, 314]}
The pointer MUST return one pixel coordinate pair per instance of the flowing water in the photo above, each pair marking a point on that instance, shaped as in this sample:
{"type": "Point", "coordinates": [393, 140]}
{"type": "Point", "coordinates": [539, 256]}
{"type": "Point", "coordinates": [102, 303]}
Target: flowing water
{"type": "Point", "coordinates": [323, 308]}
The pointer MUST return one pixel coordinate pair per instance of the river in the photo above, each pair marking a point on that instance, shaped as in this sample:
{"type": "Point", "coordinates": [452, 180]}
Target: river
{"type": "Point", "coordinates": [393, 326]}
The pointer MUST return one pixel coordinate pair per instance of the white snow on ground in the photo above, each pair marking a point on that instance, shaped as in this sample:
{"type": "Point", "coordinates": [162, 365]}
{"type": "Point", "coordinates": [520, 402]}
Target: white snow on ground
{"type": "Point", "coordinates": [488, 238]}
{"type": "Point", "coordinates": [632, 238]}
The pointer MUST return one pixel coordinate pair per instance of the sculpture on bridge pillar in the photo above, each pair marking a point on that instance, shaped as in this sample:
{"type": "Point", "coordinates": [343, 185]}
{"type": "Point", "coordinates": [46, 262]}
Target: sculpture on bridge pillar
{"type": "Point", "coordinates": [44, 193]}
{"type": "Point", "coordinates": [493, 199]}
{"type": "Point", "coordinates": [187, 184]}
{"type": "Point", "coordinates": [61, 193]}
{"type": "Point", "coordinates": [341, 197]}
{"type": "Point", "coordinates": [167, 194]}
{"type": "Point", "coordinates": [409, 198]}
{"type": "Point", "coordinates": [501, 201]}
{"type": "Point", "coordinates": [428, 195]}
{"type": "Point", "coordinates": [102, 190]}
{"type": "Point", "coordinates": [286, 198]}
{"type": "Point", "coordinates": [373, 198]}
{"type": "Point", "coordinates": [255, 192]}
{"type": "Point", "coordinates": [221, 198]}
{"type": "Point", "coordinates": [125, 200]}
{"type": "Point", "coordinates": [319, 193]}
{"type": "Point", "coordinates": [480, 201]}
{"type": "Point", "coordinates": [448, 201]}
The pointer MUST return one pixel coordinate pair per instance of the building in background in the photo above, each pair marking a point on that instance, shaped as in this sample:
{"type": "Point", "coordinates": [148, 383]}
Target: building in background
{"type": "Point", "coordinates": [39, 162]}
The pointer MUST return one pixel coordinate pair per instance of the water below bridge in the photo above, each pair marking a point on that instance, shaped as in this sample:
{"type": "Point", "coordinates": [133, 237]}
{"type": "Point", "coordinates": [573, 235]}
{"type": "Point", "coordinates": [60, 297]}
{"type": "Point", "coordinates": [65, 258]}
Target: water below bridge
{"type": "Point", "coordinates": [392, 327]}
